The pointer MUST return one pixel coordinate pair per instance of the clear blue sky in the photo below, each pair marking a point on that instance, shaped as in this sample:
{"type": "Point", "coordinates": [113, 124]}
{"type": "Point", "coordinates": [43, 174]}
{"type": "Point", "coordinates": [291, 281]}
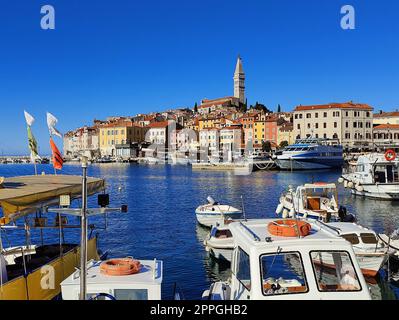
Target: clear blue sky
{"type": "Point", "coordinates": [125, 57]}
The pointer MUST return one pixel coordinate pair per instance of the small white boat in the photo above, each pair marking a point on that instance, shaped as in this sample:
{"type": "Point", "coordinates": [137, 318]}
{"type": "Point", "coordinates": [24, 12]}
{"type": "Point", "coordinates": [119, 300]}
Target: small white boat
{"type": "Point", "coordinates": [145, 284]}
{"type": "Point", "coordinates": [262, 269]}
{"type": "Point", "coordinates": [219, 242]}
{"type": "Point", "coordinates": [374, 175]}
{"type": "Point", "coordinates": [213, 213]}
{"type": "Point", "coordinates": [317, 201]}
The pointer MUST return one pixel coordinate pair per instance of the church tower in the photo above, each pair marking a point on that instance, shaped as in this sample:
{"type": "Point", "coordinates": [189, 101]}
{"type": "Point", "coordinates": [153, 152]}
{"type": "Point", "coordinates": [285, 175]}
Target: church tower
{"type": "Point", "coordinates": [239, 81]}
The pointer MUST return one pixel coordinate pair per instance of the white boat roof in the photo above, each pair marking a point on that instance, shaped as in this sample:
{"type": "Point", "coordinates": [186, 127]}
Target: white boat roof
{"type": "Point", "coordinates": [347, 228]}
{"type": "Point", "coordinates": [150, 273]}
{"type": "Point", "coordinates": [255, 232]}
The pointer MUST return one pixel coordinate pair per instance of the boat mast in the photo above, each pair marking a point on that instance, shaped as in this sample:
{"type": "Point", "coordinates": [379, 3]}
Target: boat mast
{"type": "Point", "coordinates": [83, 238]}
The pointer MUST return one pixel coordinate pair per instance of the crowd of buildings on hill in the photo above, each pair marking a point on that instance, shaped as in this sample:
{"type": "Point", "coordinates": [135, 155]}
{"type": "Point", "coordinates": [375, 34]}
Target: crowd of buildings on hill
{"type": "Point", "coordinates": [227, 124]}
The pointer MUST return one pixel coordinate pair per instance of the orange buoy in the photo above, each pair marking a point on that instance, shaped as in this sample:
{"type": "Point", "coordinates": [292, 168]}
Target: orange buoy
{"type": "Point", "coordinates": [390, 155]}
{"type": "Point", "coordinates": [289, 228]}
{"type": "Point", "coordinates": [120, 267]}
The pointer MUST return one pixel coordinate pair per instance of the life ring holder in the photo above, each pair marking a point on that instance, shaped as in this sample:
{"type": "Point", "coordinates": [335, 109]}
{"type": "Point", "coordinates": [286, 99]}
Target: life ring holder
{"type": "Point", "coordinates": [120, 267]}
{"type": "Point", "coordinates": [390, 155]}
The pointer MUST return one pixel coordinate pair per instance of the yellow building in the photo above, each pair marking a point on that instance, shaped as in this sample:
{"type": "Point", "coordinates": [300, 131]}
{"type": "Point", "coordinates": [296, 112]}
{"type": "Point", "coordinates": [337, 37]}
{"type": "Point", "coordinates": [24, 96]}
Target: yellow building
{"type": "Point", "coordinates": [259, 131]}
{"type": "Point", "coordinates": [207, 123]}
{"type": "Point", "coordinates": [119, 133]}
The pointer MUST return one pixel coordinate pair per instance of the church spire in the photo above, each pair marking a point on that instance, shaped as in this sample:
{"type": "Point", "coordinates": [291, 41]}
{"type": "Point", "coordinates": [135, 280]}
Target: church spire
{"type": "Point", "coordinates": [239, 81]}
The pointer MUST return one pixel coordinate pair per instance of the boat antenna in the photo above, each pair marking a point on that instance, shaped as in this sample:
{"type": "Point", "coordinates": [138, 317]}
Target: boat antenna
{"type": "Point", "coordinates": [243, 208]}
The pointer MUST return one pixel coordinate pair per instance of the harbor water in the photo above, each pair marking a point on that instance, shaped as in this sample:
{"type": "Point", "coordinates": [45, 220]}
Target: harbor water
{"type": "Point", "coordinates": [161, 222]}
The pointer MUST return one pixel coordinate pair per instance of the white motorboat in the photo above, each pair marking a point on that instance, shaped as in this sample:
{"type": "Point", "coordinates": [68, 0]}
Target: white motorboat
{"type": "Point", "coordinates": [261, 268]}
{"type": "Point", "coordinates": [143, 284]}
{"type": "Point", "coordinates": [220, 242]}
{"type": "Point", "coordinates": [213, 213]}
{"type": "Point", "coordinates": [374, 175]}
{"type": "Point", "coordinates": [371, 253]}
{"type": "Point", "coordinates": [317, 201]}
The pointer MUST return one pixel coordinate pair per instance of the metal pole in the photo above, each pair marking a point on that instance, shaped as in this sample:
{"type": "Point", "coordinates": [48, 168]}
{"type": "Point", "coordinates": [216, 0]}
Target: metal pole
{"type": "Point", "coordinates": [83, 240]}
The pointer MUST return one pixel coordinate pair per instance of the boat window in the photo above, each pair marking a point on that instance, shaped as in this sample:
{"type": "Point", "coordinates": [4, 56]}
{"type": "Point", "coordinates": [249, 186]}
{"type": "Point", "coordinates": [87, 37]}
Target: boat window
{"type": "Point", "coordinates": [282, 273]}
{"type": "Point", "coordinates": [243, 269]}
{"type": "Point", "coordinates": [223, 234]}
{"type": "Point", "coordinates": [334, 271]}
{"type": "Point", "coordinates": [352, 238]}
{"type": "Point", "coordinates": [131, 294]}
{"type": "Point", "coordinates": [369, 238]}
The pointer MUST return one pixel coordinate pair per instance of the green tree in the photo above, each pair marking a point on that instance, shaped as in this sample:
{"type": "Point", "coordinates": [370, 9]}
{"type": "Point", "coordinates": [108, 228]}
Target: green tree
{"type": "Point", "coordinates": [266, 146]}
{"type": "Point", "coordinates": [279, 108]}
{"type": "Point", "coordinates": [195, 108]}
{"type": "Point", "coordinates": [283, 144]}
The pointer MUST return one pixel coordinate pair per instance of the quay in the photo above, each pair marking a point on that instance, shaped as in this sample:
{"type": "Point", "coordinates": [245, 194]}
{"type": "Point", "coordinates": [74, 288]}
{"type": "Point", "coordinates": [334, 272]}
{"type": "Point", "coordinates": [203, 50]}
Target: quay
{"type": "Point", "coordinates": [255, 166]}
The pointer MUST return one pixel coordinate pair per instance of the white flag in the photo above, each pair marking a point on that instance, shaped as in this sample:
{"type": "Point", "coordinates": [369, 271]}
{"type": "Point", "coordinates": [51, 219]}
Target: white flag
{"type": "Point", "coordinates": [51, 122]}
{"type": "Point", "coordinates": [29, 119]}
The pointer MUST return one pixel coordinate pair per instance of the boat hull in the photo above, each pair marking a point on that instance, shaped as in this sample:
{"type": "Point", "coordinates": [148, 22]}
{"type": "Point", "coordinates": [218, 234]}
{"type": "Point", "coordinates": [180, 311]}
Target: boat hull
{"type": "Point", "coordinates": [308, 163]}
{"type": "Point", "coordinates": [384, 192]}
{"type": "Point", "coordinates": [211, 219]}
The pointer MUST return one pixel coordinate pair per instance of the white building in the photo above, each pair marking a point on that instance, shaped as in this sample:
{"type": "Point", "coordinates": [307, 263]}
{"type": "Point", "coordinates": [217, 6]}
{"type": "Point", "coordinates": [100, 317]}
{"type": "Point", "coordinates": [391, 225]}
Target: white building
{"type": "Point", "coordinates": [351, 123]}
{"type": "Point", "coordinates": [209, 139]}
{"type": "Point", "coordinates": [81, 142]}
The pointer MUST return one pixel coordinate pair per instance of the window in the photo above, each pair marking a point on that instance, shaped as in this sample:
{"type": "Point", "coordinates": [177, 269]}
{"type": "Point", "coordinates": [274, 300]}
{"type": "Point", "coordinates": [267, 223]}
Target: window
{"type": "Point", "coordinates": [300, 116]}
{"type": "Point", "coordinates": [308, 125]}
{"type": "Point", "coordinates": [352, 238]}
{"type": "Point", "coordinates": [334, 271]}
{"type": "Point", "coordinates": [299, 126]}
{"type": "Point", "coordinates": [346, 124]}
{"type": "Point", "coordinates": [317, 125]}
{"type": "Point", "coordinates": [296, 116]}
{"type": "Point", "coordinates": [335, 124]}
{"type": "Point", "coordinates": [282, 273]}
{"type": "Point", "coordinates": [131, 294]}
{"type": "Point", "coordinates": [308, 115]}
{"type": "Point", "coordinates": [325, 114]}
{"type": "Point", "coordinates": [355, 124]}
{"type": "Point", "coordinates": [243, 269]}
{"type": "Point", "coordinates": [316, 115]}
{"type": "Point", "coordinates": [324, 125]}
{"type": "Point", "coordinates": [368, 238]}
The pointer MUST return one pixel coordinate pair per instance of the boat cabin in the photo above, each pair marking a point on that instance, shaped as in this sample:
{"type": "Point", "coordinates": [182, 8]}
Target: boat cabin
{"type": "Point", "coordinates": [319, 265]}
{"type": "Point", "coordinates": [144, 285]}
{"type": "Point", "coordinates": [376, 169]}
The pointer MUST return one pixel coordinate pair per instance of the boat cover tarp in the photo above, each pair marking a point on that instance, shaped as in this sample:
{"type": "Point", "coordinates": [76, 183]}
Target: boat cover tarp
{"type": "Point", "coordinates": [24, 194]}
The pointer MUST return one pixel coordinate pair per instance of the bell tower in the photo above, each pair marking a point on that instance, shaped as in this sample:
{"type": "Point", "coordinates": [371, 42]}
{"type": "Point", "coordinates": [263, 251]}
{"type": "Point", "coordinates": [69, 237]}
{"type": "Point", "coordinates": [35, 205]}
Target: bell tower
{"type": "Point", "coordinates": [239, 81]}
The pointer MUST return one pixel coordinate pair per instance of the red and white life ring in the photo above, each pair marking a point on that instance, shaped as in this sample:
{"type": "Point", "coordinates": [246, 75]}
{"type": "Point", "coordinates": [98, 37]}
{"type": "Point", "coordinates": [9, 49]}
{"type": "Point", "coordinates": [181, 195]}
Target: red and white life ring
{"type": "Point", "coordinates": [390, 155]}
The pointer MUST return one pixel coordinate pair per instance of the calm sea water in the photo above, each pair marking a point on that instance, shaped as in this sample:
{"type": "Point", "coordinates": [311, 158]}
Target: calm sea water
{"type": "Point", "coordinates": [161, 221]}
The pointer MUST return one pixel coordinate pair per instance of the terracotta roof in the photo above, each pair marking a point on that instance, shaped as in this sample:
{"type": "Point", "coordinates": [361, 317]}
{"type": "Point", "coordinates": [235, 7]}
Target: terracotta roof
{"type": "Point", "coordinates": [387, 126]}
{"type": "Point", "coordinates": [161, 124]}
{"type": "Point", "coordinates": [345, 105]}
{"type": "Point", "coordinates": [386, 114]}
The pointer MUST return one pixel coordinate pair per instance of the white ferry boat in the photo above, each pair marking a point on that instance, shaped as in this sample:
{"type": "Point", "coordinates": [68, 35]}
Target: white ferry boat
{"type": "Point", "coordinates": [311, 154]}
{"type": "Point", "coordinates": [374, 175]}
{"type": "Point", "coordinates": [273, 262]}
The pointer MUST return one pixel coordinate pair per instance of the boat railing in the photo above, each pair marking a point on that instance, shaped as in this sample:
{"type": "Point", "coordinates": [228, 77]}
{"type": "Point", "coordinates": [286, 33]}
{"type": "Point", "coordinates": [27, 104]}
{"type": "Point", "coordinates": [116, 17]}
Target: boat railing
{"type": "Point", "coordinates": [253, 234]}
{"type": "Point", "coordinates": [337, 230]}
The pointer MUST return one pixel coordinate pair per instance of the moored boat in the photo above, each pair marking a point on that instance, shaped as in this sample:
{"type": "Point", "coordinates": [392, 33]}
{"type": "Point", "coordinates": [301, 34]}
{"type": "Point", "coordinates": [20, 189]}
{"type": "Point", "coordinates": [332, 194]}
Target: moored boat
{"type": "Point", "coordinates": [374, 175]}
{"type": "Point", "coordinates": [213, 213]}
{"type": "Point", "coordinates": [261, 267]}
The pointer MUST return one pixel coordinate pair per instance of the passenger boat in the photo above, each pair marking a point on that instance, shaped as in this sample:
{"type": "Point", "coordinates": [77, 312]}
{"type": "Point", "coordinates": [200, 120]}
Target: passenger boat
{"type": "Point", "coordinates": [213, 212]}
{"type": "Point", "coordinates": [262, 267]}
{"type": "Point", "coordinates": [310, 154]}
{"type": "Point", "coordinates": [317, 201]}
{"type": "Point", "coordinates": [26, 270]}
{"type": "Point", "coordinates": [117, 279]}
{"type": "Point", "coordinates": [375, 176]}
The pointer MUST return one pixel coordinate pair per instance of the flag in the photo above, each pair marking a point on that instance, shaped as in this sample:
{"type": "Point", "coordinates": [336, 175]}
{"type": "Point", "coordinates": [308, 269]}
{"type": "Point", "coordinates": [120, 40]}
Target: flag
{"type": "Point", "coordinates": [58, 161]}
{"type": "Point", "coordinates": [34, 154]}
{"type": "Point", "coordinates": [29, 119]}
{"type": "Point", "coordinates": [51, 122]}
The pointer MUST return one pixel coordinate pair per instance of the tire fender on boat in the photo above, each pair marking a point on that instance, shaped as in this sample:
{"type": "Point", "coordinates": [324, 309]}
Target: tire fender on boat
{"type": "Point", "coordinates": [279, 208]}
{"type": "Point", "coordinates": [285, 213]}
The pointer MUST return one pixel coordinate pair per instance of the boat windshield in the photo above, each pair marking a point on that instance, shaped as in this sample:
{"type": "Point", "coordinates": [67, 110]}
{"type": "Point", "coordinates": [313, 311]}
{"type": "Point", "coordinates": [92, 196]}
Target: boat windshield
{"type": "Point", "coordinates": [386, 173]}
{"type": "Point", "coordinates": [282, 273]}
{"type": "Point", "coordinates": [334, 271]}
